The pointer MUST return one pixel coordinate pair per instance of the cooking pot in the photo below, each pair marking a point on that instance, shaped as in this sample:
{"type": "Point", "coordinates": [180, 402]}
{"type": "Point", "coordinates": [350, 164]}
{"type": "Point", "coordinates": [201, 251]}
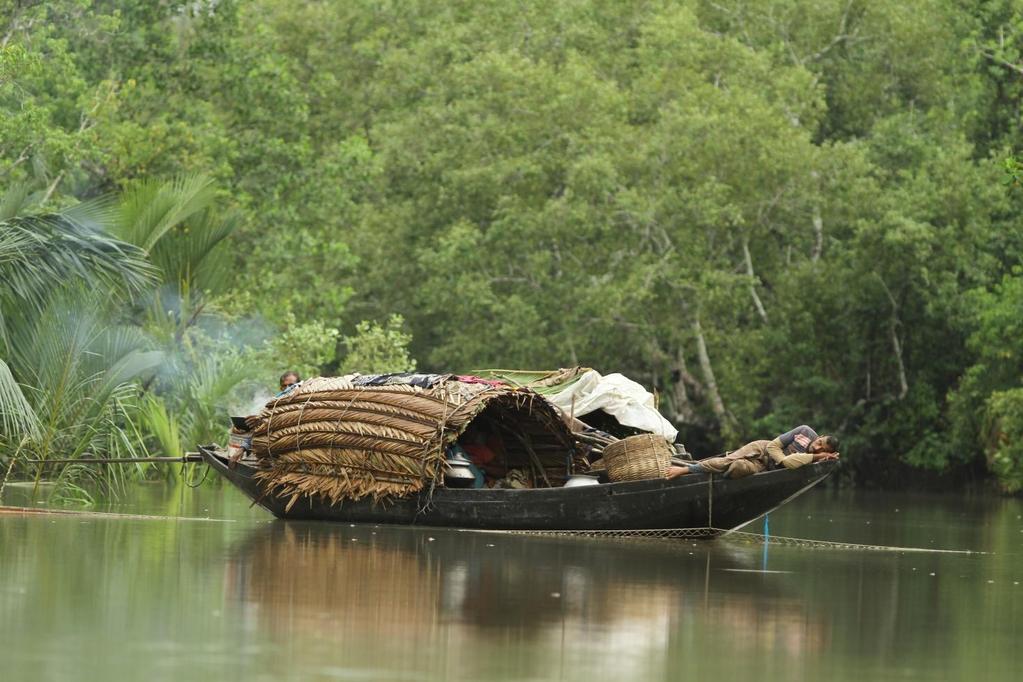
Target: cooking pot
{"type": "Point", "coordinates": [578, 480]}
{"type": "Point", "coordinates": [458, 471]}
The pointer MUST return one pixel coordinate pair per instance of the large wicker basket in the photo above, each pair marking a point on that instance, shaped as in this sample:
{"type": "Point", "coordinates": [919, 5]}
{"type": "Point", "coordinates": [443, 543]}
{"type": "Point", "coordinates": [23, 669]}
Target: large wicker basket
{"type": "Point", "coordinates": [637, 457]}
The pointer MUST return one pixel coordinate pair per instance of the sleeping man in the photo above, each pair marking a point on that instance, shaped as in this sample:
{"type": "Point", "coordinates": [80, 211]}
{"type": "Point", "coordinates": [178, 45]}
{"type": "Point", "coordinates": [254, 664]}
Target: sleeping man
{"type": "Point", "coordinates": [791, 450]}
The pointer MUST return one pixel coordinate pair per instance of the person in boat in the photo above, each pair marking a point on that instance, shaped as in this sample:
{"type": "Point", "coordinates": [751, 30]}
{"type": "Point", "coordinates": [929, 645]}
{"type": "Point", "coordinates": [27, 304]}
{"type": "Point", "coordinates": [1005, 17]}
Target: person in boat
{"type": "Point", "coordinates": [289, 380]}
{"type": "Point", "coordinates": [790, 450]}
{"type": "Point", "coordinates": [799, 440]}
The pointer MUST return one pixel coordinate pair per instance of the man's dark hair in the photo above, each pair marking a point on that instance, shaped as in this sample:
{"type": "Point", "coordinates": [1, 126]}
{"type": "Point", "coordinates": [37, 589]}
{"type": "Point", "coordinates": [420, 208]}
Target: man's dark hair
{"type": "Point", "coordinates": [290, 373]}
{"type": "Point", "coordinates": [831, 442]}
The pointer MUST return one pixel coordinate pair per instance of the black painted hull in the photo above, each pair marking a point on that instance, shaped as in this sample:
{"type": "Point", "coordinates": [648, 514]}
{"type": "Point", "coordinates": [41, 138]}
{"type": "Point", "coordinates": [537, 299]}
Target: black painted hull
{"type": "Point", "coordinates": [693, 501]}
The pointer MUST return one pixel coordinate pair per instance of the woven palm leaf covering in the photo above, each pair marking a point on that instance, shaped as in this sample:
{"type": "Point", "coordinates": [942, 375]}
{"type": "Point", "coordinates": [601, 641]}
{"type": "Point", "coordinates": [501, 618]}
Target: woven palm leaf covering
{"type": "Point", "coordinates": [342, 441]}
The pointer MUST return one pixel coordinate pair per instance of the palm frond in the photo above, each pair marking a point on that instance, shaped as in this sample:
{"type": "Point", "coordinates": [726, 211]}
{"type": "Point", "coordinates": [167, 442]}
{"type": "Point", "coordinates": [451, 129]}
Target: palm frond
{"type": "Point", "coordinates": [17, 418]}
{"type": "Point", "coordinates": [126, 369]}
{"type": "Point", "coordinates": [116, 342]}
{"type": "Point", "coordinates": [15, 200]}
{"type": "Point", "coordinates": [163, 425]}
{"type": "Point", "coordinates": [209, 387]}
{"type": "Point", "coordinates": [150, 208]}
{"type": "Point", "coordinates": [43, 252]}
{"type": "Point", "coordinates": [99, 214]}
{"type": "Point", "coordinates": [193, 255]}
{"type": "Point", "coordinates": [74, 366]}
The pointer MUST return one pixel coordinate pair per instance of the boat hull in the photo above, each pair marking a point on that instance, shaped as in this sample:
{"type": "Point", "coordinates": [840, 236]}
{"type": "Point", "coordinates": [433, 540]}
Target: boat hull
{"type": "Point", "coordinates": [688, 502]}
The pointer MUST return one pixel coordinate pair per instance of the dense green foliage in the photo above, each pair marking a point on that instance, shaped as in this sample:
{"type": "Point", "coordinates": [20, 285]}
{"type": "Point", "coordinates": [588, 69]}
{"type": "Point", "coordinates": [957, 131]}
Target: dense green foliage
{"type": "Point", "coordinates": [771, 211]}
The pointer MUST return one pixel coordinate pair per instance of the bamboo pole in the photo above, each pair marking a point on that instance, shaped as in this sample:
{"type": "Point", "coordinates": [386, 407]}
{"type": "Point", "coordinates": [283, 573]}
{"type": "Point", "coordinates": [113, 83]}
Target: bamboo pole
{"type": "Point", "coordinates": [187, 457]}
{"type": "Point", "coordinates": [100, 515]}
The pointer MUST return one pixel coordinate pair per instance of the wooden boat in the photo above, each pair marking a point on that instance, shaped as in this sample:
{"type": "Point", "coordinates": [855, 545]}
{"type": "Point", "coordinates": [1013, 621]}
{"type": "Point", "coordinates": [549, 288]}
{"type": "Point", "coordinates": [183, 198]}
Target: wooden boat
{"type": "Point", "coordinates": [696, 501]}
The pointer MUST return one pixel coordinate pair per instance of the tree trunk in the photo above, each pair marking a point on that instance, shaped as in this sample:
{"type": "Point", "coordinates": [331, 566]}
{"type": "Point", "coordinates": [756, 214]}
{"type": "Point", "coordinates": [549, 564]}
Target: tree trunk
{"type": "Point", "coordinates": [757, 303]}
{"type": "Point", "coordinates": [897, 348]}
{"type": "Point", "coordinates": [893, 323]}
{"type": "Point", "coordinates": [683, 406]}
{"type": "Point", "coordinates": [818, 234]}
{"type": "Point", "coordinates": [716, 403]}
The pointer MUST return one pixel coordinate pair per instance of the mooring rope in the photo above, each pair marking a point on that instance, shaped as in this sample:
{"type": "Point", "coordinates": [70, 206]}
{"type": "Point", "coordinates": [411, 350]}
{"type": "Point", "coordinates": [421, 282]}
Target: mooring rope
{"type": "Point", "coordinates": [187, 478]}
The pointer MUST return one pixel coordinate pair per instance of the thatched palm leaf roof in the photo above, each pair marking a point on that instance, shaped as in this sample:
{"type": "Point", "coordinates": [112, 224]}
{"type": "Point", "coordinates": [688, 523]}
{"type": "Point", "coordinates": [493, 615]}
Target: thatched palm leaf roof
{"type": "Point", "coordinates": [333, 438]}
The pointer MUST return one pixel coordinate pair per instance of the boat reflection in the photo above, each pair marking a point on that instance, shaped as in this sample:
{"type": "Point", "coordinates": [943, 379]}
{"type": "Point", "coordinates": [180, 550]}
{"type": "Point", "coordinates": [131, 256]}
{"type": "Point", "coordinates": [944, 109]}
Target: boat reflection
{"type": "Point", "coordinates": [433, 589]}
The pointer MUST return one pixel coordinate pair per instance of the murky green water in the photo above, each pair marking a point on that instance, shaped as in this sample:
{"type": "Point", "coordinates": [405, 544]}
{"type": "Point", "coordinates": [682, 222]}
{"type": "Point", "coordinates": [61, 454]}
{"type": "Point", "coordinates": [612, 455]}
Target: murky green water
{"type": "Point", "coordinates": [247, 598]}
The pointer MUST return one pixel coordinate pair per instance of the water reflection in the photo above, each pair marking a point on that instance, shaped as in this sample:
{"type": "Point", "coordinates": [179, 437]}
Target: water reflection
{"type": "Point", "coordinates": [638, 599]}
{"type": "Point", "coordinates": [252, 599]}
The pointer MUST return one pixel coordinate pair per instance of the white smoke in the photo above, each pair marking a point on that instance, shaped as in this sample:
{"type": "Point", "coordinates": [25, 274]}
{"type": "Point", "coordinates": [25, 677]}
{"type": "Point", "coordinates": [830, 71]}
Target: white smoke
{"type": "Point", "coordinates": [246, 407]}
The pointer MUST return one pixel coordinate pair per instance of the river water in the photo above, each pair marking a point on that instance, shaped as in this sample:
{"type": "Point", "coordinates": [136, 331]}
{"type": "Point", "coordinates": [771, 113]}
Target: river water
{"type": "Point", "coordinates": [218, 591]}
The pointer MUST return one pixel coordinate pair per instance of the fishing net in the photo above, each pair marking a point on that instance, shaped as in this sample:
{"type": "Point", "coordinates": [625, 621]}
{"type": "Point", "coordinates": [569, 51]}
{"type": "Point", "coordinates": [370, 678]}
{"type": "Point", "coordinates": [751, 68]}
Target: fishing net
{"type": "Point", "coordinates": [736, 536]}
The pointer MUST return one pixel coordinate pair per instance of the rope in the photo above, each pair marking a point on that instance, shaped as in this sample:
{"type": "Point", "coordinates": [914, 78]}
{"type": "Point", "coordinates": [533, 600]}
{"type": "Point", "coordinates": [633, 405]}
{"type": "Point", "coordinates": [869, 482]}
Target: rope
{"type": "Point", "coordinates": [301, 416]}
{"type": "Point", "coordinates": [202, 480]}
{"type": "Point", "coordinates": [425, 503]}
{"type": "Point", "coordinates": [340, 417]}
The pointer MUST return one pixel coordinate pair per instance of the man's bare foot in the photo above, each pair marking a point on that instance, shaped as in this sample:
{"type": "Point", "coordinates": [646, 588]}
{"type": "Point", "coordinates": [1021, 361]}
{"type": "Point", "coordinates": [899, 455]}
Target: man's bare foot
{"type": "Point", "coordinates": [675, 472]}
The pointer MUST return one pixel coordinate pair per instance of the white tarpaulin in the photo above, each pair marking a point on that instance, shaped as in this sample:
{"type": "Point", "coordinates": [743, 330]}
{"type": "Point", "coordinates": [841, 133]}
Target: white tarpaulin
{"type": "Point", "coordinates": [619, 396]}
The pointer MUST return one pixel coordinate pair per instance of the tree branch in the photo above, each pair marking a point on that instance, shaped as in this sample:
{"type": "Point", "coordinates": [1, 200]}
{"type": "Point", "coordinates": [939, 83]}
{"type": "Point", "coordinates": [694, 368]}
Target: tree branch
{"type": "Point", "coordinates": [840, 37]}
{"type": "Point", "coordinates": [52, 188]}
{"type": "Point", "coordinates": [87, 121]}
{"type": "Point", "coordinates": [1002, 62]}
{"type": "Point", "coordinates": [22, 157]}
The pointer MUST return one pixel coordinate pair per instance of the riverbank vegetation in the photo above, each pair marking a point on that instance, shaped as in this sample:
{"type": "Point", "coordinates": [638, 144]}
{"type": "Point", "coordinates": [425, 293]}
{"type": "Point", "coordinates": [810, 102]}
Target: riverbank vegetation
{"type": "Point", "coordinates": [770, 211]}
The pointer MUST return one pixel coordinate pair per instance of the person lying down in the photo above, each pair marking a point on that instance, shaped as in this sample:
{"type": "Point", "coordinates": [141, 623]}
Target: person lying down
{"type": "Point", "coordinates": [791, 450]}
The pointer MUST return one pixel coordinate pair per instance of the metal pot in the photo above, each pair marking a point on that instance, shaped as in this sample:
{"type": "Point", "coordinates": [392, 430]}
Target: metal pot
{"type": "Point", "coordinates": [578, 480]}
{"type": "Point", "coordinates": [458, 472]}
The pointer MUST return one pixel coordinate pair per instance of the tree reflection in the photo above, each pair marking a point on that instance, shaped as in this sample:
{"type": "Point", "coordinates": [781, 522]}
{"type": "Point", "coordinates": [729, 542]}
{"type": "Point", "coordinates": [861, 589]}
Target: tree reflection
{"type": "Point", "coordinates": [559, 598]}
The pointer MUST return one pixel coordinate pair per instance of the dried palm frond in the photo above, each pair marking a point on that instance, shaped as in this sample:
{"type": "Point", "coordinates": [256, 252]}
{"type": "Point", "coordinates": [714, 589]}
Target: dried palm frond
{"type": "Point", "coordinates": [332, 439]}
{"type": "Point", "coordinates": [339, 474]}
{"type": "Point", "coordinates": [413, 422]}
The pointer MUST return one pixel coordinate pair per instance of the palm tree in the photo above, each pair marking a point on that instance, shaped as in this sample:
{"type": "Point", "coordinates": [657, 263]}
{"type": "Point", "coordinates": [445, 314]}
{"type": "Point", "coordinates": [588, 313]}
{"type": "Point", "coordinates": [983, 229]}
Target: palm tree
{"type": "Point", "coordinates": [40, 256]}
{"type": "Point", "coordinates": [79, 372]}
{"type": "Point", "coordinates": [84, 369]}
{"type": "Point", "coordinates": [178, 226]}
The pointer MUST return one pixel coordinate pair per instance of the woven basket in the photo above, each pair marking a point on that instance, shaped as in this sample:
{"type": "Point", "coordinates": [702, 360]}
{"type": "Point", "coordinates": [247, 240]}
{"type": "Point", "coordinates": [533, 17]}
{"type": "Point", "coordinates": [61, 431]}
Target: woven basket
{"type": "Point", "coordinates": [637, 457]}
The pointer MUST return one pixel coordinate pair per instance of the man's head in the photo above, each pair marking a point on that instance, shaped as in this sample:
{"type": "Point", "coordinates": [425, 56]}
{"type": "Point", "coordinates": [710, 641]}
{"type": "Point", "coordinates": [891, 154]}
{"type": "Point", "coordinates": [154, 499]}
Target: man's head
{"type": "Point", "coordinates": [289, 378]}
{"type": "Point", "coordinates": [822, 444]}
